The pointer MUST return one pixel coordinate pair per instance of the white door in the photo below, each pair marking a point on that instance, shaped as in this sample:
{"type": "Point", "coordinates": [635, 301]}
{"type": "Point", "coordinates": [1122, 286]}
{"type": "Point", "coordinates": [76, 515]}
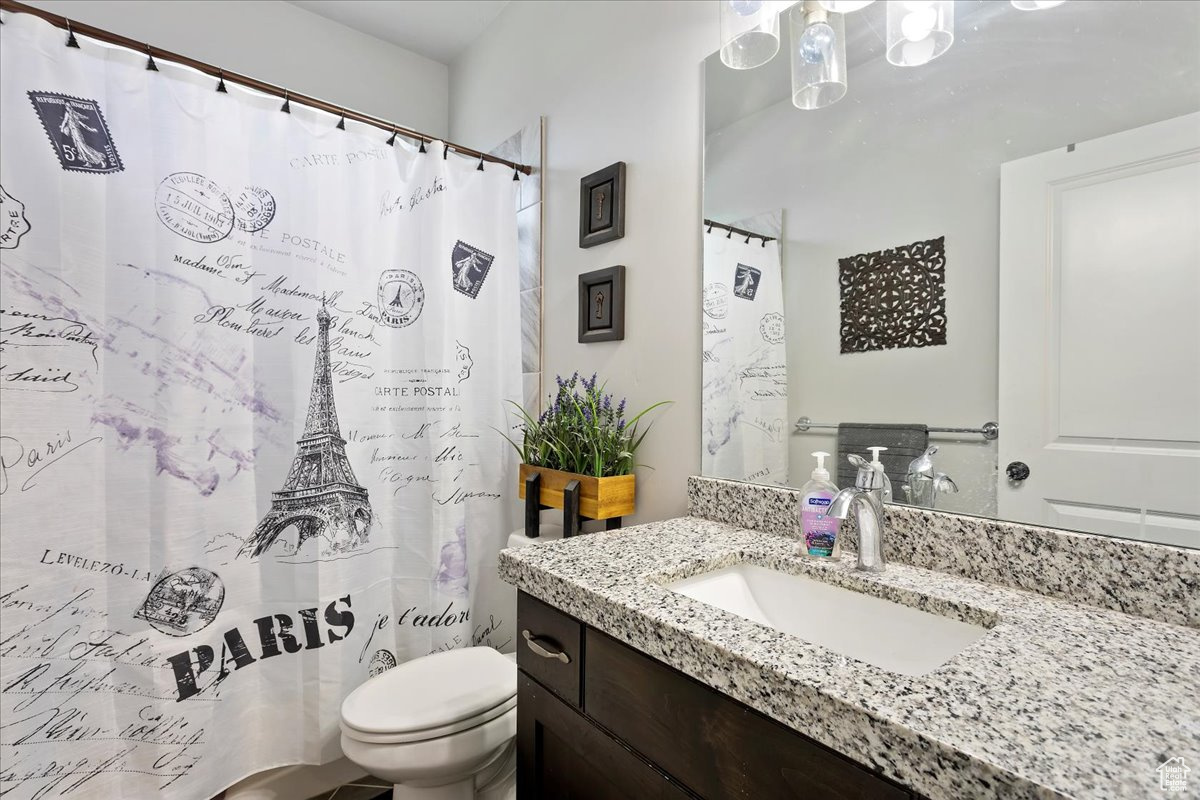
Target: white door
{"type": "Point", "coordinates": [1100, 335]}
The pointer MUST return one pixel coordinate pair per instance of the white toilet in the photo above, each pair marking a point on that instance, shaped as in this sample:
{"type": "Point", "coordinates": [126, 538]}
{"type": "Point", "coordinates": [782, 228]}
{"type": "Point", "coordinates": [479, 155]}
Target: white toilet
{"type": "Point", "coordinates": [440, 727]}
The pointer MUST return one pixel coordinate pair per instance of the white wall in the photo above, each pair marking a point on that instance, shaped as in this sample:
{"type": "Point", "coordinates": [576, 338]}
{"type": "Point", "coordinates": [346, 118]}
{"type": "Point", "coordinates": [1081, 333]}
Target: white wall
{"type": "Point", "coordinates": [282, 44]}
{"type": "Point", "coordinates": [616, 82]}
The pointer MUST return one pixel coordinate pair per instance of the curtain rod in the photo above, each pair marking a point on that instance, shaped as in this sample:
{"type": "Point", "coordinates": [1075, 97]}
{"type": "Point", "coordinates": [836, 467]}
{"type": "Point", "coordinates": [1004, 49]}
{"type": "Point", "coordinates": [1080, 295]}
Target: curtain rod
{"type": "Point", "coordinates": [710, 224]}
{"type": "Point", "coordinates": [72, 27]}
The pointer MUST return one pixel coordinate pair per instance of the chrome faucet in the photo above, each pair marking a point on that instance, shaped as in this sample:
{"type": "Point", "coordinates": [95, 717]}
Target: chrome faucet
{"type": "Point", "coordinates": [865, 500]}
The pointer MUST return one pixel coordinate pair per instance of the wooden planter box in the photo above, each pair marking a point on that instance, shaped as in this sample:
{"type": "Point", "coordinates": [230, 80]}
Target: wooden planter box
{"type": "Point", "coordinates": [599, 498]}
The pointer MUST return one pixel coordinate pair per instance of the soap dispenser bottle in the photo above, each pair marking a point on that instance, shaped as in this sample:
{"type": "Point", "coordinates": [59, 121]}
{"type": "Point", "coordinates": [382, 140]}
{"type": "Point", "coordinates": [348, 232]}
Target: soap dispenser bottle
{"type": "Point", "coordinates": [820, 530]}
{"type": "Point", "coordinates": [878, 465]}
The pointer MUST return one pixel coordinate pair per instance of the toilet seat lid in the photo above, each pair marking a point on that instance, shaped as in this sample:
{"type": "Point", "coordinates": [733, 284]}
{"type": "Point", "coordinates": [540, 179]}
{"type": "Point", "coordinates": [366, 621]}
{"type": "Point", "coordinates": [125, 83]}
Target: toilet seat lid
{"type": "Point", "coordinates": [432, 691]}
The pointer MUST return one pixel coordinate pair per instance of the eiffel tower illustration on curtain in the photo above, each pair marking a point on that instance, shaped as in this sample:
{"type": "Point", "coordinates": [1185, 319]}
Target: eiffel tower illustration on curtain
{"type": "Point", "coordinates": [321, 496]}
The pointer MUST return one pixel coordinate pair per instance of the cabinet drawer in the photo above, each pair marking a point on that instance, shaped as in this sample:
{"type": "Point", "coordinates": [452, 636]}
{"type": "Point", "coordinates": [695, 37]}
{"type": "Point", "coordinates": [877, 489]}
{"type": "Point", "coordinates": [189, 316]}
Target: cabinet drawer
{"type": "Point", "coordinates": [553, 649]}
{"type": "Point", "coordinates": [714, 745]}
{"type": "Point", "coordinates": [563, 756]}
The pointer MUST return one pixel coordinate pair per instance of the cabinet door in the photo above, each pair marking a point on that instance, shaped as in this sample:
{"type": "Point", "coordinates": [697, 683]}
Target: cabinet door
{"type": "Point", "coordinates": [563, 756]}
{"type": "Point", "coordinates": [714, 745]}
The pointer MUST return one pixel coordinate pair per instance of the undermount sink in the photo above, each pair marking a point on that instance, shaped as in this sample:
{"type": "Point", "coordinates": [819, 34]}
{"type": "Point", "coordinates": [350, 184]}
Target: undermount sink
{"type": "Point", "coordinates": [888, 635]}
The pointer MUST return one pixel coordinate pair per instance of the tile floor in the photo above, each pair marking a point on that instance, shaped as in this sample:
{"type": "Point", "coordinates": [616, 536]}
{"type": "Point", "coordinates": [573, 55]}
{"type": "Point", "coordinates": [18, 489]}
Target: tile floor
{"type": "Point", "coordinates": [367, 788]}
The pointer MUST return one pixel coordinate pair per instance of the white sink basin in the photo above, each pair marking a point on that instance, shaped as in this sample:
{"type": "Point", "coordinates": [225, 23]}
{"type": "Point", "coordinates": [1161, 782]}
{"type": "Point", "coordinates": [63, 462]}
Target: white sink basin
{"type": "Point", "coordinates": [888, 635]}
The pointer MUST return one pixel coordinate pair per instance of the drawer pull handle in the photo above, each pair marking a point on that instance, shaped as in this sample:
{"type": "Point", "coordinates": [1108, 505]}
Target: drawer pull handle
{"type": "Point", "coordinates": [535, 645]}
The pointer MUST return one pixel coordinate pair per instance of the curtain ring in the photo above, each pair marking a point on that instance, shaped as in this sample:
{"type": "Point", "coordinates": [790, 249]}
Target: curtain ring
{"type": "Point", "coordinates": [710, 227]}
{"type": "Point", "coordinates": [445, 151]}
{"type": "Point", "coordinates": [516, 173]}
{"type": "Point", "coordinates": [730, 234]}
{"type": "Point", "coordinates": [341, 126]}
{"type": "Point", "coordinates": [287, 104]}
{"type": "Point", "coordinates": [150, 65]}
{"type": "Point", "coordinates": [480, 167]}
{"type": "Point", "coordinates": [221, 82]}
{"type": "Point", "coordinates": [764, 244]}
{"type": "Point", "coordinates": [392, 141]}
{"type": "Point", "coordinates": [747, 238]}
{"type": "Point", "coordinates": [71, 40]}
{"type": "Point", "coordinates": [422, 149]}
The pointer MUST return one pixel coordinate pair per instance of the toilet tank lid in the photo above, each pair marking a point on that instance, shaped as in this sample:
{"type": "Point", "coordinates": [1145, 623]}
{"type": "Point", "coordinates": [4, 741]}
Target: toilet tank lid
{"type": "Point", "coordinates": [432, 691]}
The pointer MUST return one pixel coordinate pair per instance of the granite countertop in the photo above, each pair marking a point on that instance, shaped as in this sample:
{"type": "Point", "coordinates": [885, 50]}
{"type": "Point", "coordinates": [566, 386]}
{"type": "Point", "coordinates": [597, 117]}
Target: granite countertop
{"type": "Point", "coordinates": [1056, 700]}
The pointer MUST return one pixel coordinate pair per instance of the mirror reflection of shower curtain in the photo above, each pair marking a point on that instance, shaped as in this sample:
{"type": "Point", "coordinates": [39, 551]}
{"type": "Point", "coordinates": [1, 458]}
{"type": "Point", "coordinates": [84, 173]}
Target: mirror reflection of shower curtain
{"type": "Point", "coordinates": [744, 416]}
{"type": "Point", "coordinates": [252, 369]}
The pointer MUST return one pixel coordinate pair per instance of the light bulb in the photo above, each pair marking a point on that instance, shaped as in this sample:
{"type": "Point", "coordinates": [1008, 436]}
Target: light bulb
{"type": "Point", "coordinates": [749, 32]}
{"type": "Point", "coordinates": [918, 24]}
{"type": "Point", "coordinates": [744, 8]}
{"type": "Point", "coordinates": [816, 43]}
{"type": "Point", "coordinates": [1036, 5]}
{"type": "Point", "coordinates": [818, 56]}
{"type": "Point", "coordinates": [845, 6]}
{"type": "Point", "coordinates": [918, 31]}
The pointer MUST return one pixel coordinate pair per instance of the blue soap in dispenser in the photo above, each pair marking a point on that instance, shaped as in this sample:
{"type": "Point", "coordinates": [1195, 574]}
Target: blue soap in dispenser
{"type": "Point", "coordinates": [820, 530]}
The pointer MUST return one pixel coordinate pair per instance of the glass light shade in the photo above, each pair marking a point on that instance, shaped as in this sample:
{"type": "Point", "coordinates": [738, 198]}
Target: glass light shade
{"type": "Point", "coordinates": [918, 31]}
{"type": "Point", "coordinates": [845, 6]}
{"type": "Point", "coordinates": [749, 32]}
{"type": "Point", "coordinates": [818, 42]}
{"type": "Point", "coordinates": [1035, 5]}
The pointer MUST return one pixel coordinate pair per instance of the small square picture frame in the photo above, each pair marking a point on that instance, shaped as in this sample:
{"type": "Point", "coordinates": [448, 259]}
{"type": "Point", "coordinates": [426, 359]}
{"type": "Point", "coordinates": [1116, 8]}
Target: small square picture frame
{"type": "Point", "coordinates": [602, 305]}
{"type": "Point", "coordinates": [602, 206]}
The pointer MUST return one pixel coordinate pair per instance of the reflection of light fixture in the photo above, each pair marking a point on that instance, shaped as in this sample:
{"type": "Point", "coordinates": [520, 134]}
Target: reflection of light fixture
{"type": "Point", "coordinates": [818, 41]}
{"type": "Point", "coordinates": [845, 6]}
{"type": "Point", "coordinates": [1035, 5]}
{"type": "Point", "coordinates": [749, 32]}
{"type": "Point", "coordinates": [918, 31]}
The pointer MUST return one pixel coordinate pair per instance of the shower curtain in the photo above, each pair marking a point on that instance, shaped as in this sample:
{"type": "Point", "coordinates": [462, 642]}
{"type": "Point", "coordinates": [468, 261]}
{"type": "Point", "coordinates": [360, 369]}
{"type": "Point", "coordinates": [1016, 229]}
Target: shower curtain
{"type": "Point", "coordinates": [252, 374]}
{"type": "Point", "coordinates": [744, 371]}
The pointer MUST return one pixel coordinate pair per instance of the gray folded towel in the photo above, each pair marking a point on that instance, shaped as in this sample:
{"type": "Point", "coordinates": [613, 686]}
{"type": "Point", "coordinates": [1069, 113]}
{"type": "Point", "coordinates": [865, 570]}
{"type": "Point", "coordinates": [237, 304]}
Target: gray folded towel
{"type": "Point", "coordinates": [903, 443]}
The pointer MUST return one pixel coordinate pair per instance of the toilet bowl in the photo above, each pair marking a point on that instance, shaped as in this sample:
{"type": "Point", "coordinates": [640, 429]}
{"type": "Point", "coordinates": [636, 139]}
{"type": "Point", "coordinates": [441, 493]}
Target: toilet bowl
{"type": "Point", "coordinates": [439, 727]}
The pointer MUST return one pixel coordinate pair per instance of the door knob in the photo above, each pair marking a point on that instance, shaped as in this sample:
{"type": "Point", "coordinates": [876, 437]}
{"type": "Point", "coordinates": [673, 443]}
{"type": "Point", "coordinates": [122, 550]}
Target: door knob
{"type": "Point", "coordinates": [1017, 471]}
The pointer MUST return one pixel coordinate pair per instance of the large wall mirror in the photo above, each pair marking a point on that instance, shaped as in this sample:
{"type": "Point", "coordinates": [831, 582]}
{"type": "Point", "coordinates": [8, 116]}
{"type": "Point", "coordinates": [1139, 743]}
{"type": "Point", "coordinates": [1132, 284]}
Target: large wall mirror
{"type": "Point", "coordinates": [968, 232]}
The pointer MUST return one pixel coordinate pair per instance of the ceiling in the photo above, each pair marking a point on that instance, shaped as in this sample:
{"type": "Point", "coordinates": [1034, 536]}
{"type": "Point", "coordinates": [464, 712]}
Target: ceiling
{"type": "Point", "coordinates": [436, 29]}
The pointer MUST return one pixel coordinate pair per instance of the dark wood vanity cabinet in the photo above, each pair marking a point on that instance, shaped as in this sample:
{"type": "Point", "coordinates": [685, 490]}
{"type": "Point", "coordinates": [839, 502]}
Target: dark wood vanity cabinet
{"type": "Point", "coordinates": [598, 720]}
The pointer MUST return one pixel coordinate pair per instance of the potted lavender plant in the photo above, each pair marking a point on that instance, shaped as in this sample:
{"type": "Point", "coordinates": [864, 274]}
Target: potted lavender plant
{"type": "Point", "coordinates": [583, 436]}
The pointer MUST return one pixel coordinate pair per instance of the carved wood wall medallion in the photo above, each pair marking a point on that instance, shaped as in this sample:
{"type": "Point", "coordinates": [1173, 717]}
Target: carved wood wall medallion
{"type": "Point", "coordinates": [894, 298]}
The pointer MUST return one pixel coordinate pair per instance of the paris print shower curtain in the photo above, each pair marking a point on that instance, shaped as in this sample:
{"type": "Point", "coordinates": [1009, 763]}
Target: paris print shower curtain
{"type": "Point", "coordinates": [744, 394]}
{"type": "Point", "coordinates": [251, 375]}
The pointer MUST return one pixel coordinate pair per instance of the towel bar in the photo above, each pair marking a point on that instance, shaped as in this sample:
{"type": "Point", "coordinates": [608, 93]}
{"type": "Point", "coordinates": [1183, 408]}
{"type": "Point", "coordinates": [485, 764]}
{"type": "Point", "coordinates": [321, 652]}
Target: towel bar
{"type": "Point", "coordinates": [988, 430]}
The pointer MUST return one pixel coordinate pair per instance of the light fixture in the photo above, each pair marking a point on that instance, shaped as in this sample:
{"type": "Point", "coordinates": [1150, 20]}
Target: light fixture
{"type": "Point", "coordinates": [749, 32]}
{"type": "Point", "coordinates": [818, 41]}
{"type": "Point", "coordinates": [845, 6]}
{"type": "Point", "coordinates": [918, 31]}
{"type": "Point", "coordinates": [1035, 5]}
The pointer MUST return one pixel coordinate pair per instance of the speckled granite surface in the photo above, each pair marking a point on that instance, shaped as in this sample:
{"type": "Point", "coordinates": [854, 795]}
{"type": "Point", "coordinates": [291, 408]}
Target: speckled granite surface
{"type": "Point", "coordinates": [1147, 580]}
{"type": "Point", "coordinates": [1056, 700]}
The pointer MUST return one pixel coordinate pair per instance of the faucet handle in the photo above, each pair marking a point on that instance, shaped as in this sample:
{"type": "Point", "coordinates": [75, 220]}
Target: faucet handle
{"type": "Point", "coordinates": [944, 483]}
{"type": "Point", "coordinates": [869, 476]}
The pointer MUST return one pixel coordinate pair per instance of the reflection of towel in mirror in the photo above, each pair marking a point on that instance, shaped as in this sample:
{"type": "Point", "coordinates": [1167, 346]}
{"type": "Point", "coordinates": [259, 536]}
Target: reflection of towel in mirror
{"type": "Point", "coordinates": [903, 443]}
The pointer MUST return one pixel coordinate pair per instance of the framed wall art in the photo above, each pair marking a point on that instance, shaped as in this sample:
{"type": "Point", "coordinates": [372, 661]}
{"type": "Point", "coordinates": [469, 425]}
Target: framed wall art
{"type": "Point", "coordinates": [602, 305]}
{"type": "Point", "coordinates": [602, 206]}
